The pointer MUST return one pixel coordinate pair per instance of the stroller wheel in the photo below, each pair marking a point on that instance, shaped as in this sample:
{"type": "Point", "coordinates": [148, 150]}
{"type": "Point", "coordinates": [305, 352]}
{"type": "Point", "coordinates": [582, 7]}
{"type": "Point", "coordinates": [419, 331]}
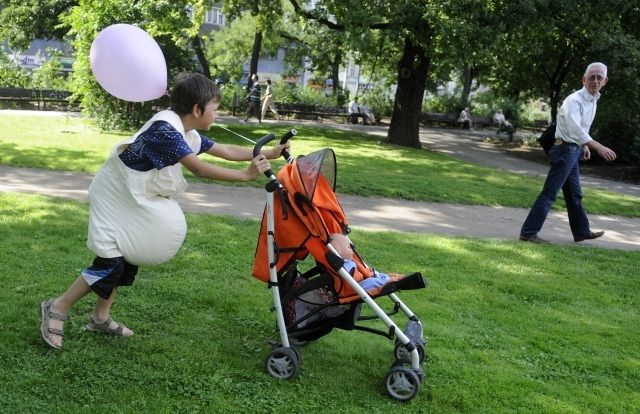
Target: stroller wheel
{"type": "Point", "coordinates": [402, 383]}
{"type": "Point", "coordinates": [407, 364]}
{"type": "Point", "coordinates": [400, 352]}
{"type": "Point", "coordinates": [282, 363]}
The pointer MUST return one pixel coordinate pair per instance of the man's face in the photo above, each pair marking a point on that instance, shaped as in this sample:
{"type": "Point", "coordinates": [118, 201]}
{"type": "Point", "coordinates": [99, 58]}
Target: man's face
{"type": "Point", "coordinates": [595, 79]}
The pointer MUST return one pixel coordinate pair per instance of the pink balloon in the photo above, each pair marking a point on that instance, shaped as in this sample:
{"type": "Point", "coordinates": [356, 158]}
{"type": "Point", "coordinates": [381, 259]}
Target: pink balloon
{"type": "Point", "coordinates": [128, 63]}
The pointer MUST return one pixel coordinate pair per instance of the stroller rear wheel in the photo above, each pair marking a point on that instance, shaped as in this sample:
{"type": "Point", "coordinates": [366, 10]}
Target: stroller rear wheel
{"type": "Point", "coordinates": [402, 383]}
{"type": "Point", "coordinates": [282, 363]}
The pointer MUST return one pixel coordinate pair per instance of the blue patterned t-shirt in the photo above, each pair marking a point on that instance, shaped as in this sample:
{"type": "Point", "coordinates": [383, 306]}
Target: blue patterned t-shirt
{"type": "Point", "coordinates": [161, 145]}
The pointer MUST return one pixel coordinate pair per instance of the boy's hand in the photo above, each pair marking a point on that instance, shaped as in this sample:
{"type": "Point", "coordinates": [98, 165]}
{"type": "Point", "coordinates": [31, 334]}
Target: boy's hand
{"type": "Point", "coordinates": [276, 151]}
{"type": "Point", "coordinates": [259, 165]}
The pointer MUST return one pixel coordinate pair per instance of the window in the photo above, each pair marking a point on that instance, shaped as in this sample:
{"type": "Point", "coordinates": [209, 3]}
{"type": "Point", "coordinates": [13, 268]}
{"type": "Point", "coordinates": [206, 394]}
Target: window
{"type": "Point", "coordinates": [214, 16]}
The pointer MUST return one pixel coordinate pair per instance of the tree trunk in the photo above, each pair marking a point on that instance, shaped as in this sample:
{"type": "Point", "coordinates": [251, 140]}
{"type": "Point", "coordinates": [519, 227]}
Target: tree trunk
{"type": "Point", "coordinates": [412, 76]}
{"type": "Point", "coordinates": [468, 75]}
{"type": "Point", "coordinates": [255, 54]}
{"type": "Point", "coordinates": [556, 82]}
{"type": "Point", "coordinates": [335, 69]}
{"type": "Point", "coordinates": [196, 42]}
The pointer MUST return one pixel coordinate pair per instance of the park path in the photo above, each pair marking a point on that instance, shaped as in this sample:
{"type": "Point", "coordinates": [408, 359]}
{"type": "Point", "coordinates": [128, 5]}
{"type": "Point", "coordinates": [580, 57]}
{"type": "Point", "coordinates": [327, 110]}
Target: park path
{"type": "Point", "coordinates": [373, 213]}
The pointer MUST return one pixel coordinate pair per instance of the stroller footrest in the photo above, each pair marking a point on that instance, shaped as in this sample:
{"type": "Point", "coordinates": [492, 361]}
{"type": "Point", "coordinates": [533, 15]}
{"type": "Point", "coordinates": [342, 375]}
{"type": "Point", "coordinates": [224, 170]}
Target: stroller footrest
{"type": "Point", "coordinates": [409, 282]}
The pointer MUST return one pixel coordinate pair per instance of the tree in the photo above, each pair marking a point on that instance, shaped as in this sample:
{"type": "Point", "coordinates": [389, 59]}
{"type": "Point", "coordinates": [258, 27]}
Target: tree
{"type": "Point", "coordinates": [312, 46]}
{"type": "Point", "coordinates": [227, 50]}
{"type": "Point", "coordinates": [406, 24]}
{"type": "Point", "coordinates": [548, 47]}
{"type": "Point", "coordinates": [267, 14]}
{"type": "Point", "coordinates": [21, 21]}
{"type": "Point", "coordinates": [167, 22]}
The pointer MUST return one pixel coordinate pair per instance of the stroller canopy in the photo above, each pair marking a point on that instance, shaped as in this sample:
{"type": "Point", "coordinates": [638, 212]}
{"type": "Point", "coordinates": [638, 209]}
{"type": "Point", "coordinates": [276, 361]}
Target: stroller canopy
{"type": "Point", "coordinates": [310, 214]}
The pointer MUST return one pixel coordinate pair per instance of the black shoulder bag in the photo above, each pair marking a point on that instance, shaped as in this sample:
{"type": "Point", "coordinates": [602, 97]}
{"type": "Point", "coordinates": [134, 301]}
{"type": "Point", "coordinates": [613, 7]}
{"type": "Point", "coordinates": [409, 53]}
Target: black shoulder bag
{"type": "Point", "coordinates": [548, 137]}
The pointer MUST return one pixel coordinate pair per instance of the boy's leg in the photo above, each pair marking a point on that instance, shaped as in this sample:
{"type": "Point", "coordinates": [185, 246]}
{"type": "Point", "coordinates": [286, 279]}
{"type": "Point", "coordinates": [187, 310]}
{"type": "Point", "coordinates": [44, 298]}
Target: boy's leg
{"type": "Point", "coordinates": [101, 314]}
{"type": "Point", "coordinates": [61, 305]}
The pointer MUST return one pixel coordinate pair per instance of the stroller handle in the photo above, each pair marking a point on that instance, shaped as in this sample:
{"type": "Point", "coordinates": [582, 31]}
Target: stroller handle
{"type": "Point", "coordinates": [286, 137]}
{"type": "Point", "coordinates": [258, 147]}
{"type": "Point", "coordinates": [269, 137]}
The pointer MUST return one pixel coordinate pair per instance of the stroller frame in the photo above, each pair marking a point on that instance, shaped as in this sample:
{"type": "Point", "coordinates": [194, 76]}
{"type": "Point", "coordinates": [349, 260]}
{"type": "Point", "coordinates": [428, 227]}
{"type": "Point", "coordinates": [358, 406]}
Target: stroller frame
{"type": "Point", "coordinates": [403, 380]}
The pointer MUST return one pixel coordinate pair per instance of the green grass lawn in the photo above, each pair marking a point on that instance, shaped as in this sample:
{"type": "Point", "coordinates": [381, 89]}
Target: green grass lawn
{"type": "Point", "coordinates": [365, 166]}
{"type": "Point", "coordinates": [513, 327]}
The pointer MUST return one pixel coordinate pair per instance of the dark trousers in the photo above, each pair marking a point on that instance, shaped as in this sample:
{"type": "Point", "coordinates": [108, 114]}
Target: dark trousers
{"type": "Point", "coordinates": [564, 174]}
{"type": "Point", "coordinates": [253, 109]}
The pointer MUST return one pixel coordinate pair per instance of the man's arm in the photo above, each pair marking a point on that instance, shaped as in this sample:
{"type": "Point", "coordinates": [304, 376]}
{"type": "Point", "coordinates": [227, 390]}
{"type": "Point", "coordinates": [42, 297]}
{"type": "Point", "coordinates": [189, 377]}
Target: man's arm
{"type": "Point", "coordinates": [604, 152]}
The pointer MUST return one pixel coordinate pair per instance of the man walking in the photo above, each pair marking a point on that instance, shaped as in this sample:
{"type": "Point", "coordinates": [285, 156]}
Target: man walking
{"type": "Point", "coordinates": [253, 100]}
{"type": "Point", "coordinates": [269, 101]}
{"type": "Point", "coordinates": [572, 144]}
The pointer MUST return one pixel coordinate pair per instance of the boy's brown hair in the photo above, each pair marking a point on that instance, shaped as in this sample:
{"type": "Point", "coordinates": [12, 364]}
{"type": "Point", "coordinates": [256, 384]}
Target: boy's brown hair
{"type": "Point", "coordinates": [192, 89]}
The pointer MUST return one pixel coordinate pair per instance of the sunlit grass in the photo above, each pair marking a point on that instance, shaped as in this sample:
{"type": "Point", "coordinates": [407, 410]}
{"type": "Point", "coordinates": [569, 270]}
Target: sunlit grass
{"type": "Point", "coordinates": [512, 327]}
{"type": "Point", "coordinates": [366, 165]}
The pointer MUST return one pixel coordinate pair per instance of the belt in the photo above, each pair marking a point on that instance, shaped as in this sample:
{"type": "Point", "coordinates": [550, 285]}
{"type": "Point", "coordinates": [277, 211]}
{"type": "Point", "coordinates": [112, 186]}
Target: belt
{"type": "Point", "coordinates": [559, 141]}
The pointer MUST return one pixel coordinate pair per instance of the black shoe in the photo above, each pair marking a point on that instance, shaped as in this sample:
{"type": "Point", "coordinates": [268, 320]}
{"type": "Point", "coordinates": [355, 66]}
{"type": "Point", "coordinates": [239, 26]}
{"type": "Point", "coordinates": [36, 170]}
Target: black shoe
{"type": "Point", "coordinates": [534, 239]}
{"type": "Point", "coordinates": [590, 236]}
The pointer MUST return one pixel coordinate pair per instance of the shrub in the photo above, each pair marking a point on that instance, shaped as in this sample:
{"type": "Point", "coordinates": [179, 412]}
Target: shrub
{"type": "Point", "coordinates": [11, 74]}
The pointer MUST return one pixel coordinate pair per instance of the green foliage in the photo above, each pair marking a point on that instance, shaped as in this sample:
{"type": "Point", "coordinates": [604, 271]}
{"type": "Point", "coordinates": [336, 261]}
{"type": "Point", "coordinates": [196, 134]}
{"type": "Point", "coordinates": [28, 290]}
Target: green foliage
{"type": "Point", "coordinates": [444, 101]}
{"type": "Point", "coordinates": [11, 74]}
{"type": "Point", "coordinates": [229, 49]}
{"type": "Point", "coordinates": [486, 104]}
{"type": "Point", "coordinates": [378, 100]}
{"type": "Point", "coordinates": [294, 93]}
{"type": "Point", "coordinates": [231, 91]}
{"type": "Point", "coordinates": [167, 22]}
{"type": "Point", "coordinates": [21, 21]}
{"type": "Point", "coordinates": [49, 74]}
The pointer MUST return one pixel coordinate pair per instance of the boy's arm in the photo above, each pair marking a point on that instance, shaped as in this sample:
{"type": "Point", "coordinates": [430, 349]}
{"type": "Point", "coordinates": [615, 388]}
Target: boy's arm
{"type": "Point", "coordinates": [203, 169]}
{"type": "Point", "coordinates": [236, 153]}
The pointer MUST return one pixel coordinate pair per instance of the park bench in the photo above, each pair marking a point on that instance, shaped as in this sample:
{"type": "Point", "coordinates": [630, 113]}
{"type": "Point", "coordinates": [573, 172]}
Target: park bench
{"type": "Point", "coordinates": [38, 96]}
{"type": "Point", "coordinates": [310, 111]}
{"type": "Point", "coordinates": [483, 121]}
{"type": "Point", "coordinates": [436, 118]}
{"type": "Point", "coordinates": [540, 124]}
{"type": "Point", "coordinates": [478, 122]}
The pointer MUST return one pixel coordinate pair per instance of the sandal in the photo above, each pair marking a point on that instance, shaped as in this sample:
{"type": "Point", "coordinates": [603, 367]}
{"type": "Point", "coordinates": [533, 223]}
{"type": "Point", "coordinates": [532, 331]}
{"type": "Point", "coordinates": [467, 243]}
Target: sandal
{"type": "Point", "coordinates": [95, 326]}
{"type": "Point", "coordinates": [45, 325]}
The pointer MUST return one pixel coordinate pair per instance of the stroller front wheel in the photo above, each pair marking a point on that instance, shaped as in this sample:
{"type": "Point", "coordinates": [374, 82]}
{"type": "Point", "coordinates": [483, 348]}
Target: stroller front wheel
{"type": "Point", "coordinates": [282, 363]}
{"type": "Point", "coordinates": [402, 383]}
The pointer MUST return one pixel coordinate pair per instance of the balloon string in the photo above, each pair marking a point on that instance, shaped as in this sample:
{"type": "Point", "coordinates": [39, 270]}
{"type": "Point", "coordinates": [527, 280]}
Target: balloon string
{"type": "Point", "coordinates": [235, 133]}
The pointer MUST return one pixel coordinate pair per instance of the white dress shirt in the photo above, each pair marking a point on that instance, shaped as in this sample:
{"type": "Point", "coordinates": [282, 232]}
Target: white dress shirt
{"type": "Point", "coordinates": [576, 116]}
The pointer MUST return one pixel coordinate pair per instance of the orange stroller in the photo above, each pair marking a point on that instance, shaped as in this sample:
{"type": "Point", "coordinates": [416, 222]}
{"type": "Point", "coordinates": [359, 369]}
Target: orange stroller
{"type": "Point", "coordinates": [301, 214]}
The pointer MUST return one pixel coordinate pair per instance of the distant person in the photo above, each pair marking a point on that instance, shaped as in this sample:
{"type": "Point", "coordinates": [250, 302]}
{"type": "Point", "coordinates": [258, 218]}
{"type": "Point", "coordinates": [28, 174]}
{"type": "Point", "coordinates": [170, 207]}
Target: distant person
{"type": "Point", "coordinates": [573, 143]}
{"type": "Point", "coordinates": [369, 117]}
{"type": "Point", "coordinates": [253, 100]}
{"type": "Point", "coordinates": [353, 110]}
{"type": "Point", "coordinates": [503, 125]}
{"type": "Point", "coordinates": [465, 118]}
{"type": "Point", "coordinates": [269, 100]}
{"type": "Point", "coordinates": [499, 118]}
